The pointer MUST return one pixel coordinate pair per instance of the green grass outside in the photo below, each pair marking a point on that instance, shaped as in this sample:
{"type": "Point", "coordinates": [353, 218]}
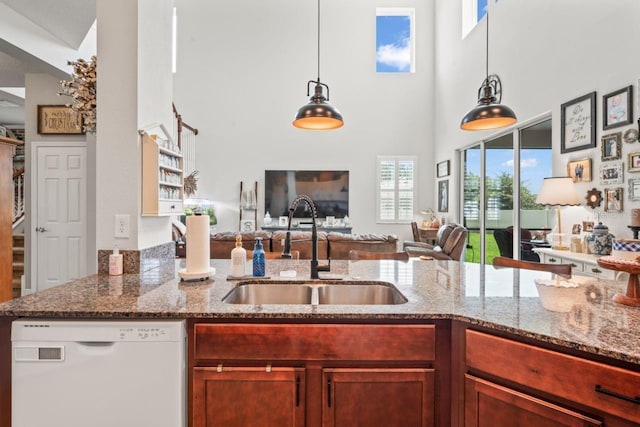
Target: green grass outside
{"type": "Point", "coordinates": [473, 253]}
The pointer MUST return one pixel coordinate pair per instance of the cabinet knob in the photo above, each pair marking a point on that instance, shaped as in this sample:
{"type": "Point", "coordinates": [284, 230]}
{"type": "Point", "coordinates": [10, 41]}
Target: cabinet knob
{"type": "Point", "coordinates": [41, 229]}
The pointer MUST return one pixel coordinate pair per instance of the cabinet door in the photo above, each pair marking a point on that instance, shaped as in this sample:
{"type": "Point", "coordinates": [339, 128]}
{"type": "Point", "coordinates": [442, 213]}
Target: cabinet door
{"type": "Point", "coordinates": [490, 405]}
{"type": "Point", "coordinates": [378, 397]}
{"type": "Point", "coordinates": [248, 397]}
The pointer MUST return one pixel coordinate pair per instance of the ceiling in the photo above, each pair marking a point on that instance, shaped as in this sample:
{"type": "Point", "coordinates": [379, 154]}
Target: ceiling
{"type": "Point", "coordinates": [67, 20]}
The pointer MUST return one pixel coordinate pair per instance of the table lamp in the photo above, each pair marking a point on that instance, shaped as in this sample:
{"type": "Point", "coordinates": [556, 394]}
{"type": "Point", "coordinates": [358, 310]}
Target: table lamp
{"type": "Point", "coordinates": [558, 191]}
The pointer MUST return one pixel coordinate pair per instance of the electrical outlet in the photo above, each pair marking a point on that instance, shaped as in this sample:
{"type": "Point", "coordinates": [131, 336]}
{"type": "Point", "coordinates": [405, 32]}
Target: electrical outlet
{"type": "Point", "coordinates": [122, 226]}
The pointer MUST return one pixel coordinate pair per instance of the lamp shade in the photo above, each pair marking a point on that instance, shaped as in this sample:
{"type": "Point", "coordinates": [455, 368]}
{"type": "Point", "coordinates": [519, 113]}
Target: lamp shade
{"type": "Point", "coordinates": [558, 191]}
{"type": "Point", "coordinates": [488, 116]}
{"type": "Point", "coordinates": [318, 115]}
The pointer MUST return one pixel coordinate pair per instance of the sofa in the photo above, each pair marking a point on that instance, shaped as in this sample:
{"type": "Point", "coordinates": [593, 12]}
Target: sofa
{"type": "Point", "coordinates": [332, 245]}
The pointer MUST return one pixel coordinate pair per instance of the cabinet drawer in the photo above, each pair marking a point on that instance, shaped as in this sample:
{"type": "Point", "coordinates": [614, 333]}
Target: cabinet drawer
{"type": "Point", "coordinates": [565, 376]}
{"type": "Point", "coordinates": [173, 207]}
{"type": "Point", "coordinates": [314, 342]}
{"type": "Point", "coordinates": [597, 271]}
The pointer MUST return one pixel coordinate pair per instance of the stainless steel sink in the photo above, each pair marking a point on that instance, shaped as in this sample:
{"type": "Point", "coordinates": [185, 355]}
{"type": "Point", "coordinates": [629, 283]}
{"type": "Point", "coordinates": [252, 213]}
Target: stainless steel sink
{"type": "Point", "coordinates": [269, 294]}
{"type": "Point", "coordinates": [315, 292]}
{"type": "Point", "coordinates": [360, 294]}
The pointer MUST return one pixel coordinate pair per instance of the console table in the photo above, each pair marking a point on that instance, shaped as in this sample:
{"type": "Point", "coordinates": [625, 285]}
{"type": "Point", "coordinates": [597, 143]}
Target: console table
{"type": "Point", "coordinates": [307, 227]}
{"type": "Point", "coordinates": [581, 262]}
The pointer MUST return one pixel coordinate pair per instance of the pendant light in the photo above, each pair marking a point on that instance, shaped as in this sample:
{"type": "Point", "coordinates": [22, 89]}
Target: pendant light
{"type": "Point", "coordinates": [489, 113]}
{"type": "Point", "coordinates": [318, 114]}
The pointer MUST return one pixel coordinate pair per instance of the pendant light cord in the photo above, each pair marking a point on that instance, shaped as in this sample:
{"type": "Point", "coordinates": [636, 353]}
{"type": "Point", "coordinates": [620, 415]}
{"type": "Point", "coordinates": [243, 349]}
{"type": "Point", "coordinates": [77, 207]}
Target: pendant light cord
{"type": "Point", "coordinates": [487, 59]}
{"type": "Point", "coordinates": [318, 40]}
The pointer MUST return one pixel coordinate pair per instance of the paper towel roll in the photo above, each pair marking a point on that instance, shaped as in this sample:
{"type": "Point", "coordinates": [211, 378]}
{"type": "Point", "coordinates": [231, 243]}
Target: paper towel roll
{"type": "Point", "coordinates": [197, 244]}
{"type": "Point", "coordinates": [635, 217]}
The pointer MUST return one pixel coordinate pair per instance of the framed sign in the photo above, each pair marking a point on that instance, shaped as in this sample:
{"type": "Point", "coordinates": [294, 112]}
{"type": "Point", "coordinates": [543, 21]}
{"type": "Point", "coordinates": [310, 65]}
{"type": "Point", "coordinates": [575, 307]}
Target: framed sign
{"type": "Point", "coordinates": [577, 123]}
{"type": "Point", "coordinates": [58, 120]}
{"type": "Point", "coordinates": [443, 169]}
{"type": "Point", "coordinates": [617, 109]}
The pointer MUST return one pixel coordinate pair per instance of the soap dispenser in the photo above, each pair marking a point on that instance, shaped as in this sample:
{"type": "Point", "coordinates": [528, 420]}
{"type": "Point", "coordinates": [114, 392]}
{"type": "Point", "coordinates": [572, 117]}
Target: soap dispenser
{"type": "Point", "coordinates": [238, 258]}
{"type": "Point", "coordinates": [267, 218]}
{"type": "Point", "coordinates": [258, 258]}
{"type": "Point", "coordinates": [115, 262]}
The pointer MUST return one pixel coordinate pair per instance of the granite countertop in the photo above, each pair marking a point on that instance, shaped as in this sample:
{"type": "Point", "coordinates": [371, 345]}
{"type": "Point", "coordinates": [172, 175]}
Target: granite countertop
{"type": "Point", "coordinates": [509, 300]}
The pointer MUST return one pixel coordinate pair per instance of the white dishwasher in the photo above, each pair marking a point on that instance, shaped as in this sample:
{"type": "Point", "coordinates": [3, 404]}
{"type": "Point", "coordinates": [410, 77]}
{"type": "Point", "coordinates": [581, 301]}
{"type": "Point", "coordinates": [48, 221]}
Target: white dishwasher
{"type": "Point", "coordinates": [98, 373]}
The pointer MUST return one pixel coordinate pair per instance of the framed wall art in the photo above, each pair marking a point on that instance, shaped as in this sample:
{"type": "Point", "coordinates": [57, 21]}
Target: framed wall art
{"type": "Point", "coordinates": [633, 162]}
{"type": "Point", "coordinates": [443, 195]}
{"type": "Point", "coordinates": [617, 108]}
{"type": "Point", "coordinates": [634, 189]}
{"type": "Point", "coordinates": [59, 120]}
{"type": "Point", "coordinates": [612, 173]}
{"type": "Point", "coordinates": [577, 123]}
{"type": "Point", "coordinates": [613, 199]}
{"type": "Point", "coordinates": [443, 169]}
{"type": "Point", "coordinates": [611, 146]}
{"type": "Point", "coordinates": [579, 170]}
{"type": "Point", "coordinates": [247, 225]}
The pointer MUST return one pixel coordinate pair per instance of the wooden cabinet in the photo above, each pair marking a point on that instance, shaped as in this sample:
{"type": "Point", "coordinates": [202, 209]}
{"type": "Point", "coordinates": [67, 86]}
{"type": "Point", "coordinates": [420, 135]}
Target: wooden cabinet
{"type": "Point", "coordinates": [378, 397]}
{"type": "Point", "coordinates": [544, 379]}
{"type": "Point", "coordinates": [162, 176]}
{"type": "Point", "coordinates": [326, 375]}
{"type": "Point", "coordinates": [489, 404]}
{"type": "Point", "coordinates": [248, 396]}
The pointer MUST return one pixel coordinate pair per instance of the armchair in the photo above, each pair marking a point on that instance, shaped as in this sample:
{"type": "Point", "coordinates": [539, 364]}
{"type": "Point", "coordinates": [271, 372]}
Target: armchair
{"type": "Point", "coordinates": [451, 241]}
{"type": "Point", "coordinates": [504, 239]}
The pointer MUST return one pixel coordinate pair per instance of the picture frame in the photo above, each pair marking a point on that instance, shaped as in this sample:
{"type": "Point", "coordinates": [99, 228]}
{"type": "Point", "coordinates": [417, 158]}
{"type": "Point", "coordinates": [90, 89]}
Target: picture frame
{"type": "Point", "coordinates": [579, 170]}
{"type": "Point", "coordinates": [283, 221]}
{"type": "Point", "coordinates": [577, 123]}
{"type": "Point", "coordinates": [443, 195]}
{"type": "Point", "coordinates": [576, 229]}
{"type": "Point", "coordinates": [587, 226]}
{"type": "Point", "coordinates": [634, 189]}
{"type": "Point", "coordinates": [611, 146]}
{"type": "Point", "coordinates": [443, 169]}
{"type": "Point", "coordinates": [633, 162]}
{"type": "Point", "coordinates": [59, 120]}
{"type": "Point", "coordinates": [613, 199]}
{"type": "Point", "coordinates": [612, 173]}
{"type": "Point", "coordinates": [247, 225]}
{"type": "Point", "coordinates": [617, 108]}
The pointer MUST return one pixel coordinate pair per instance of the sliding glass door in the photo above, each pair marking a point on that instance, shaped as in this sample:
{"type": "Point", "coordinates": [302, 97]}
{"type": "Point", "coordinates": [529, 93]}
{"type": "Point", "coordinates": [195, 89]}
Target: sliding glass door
{"type": "Point", "coordinates": [502, 176]}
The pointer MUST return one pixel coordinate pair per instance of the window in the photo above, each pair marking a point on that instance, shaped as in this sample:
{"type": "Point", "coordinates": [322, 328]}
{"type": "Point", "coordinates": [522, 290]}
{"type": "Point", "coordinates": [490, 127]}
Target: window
{"type": "Point", "coordinates": [396, 188]}
{"type": "Point", "coordinates": [472, 12]}
{"type": "Point", "coordinates": [395, 40]}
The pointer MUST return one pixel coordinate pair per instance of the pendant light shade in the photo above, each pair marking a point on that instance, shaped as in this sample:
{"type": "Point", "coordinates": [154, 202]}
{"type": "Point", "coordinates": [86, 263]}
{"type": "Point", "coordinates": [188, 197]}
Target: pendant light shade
{"type": "Point", "coordinates": [318, 114]}
{"type": "Point", "coordinates": [489, 113]}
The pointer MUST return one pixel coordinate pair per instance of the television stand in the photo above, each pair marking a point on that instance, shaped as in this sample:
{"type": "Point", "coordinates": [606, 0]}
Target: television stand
{"type": "Point", "coordinates": [307, 227]}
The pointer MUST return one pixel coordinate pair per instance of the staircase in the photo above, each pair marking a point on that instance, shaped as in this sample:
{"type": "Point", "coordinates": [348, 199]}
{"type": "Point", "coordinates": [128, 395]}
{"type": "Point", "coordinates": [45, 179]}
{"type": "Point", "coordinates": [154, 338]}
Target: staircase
{"type": "Point", "coordinates": [18, 263]}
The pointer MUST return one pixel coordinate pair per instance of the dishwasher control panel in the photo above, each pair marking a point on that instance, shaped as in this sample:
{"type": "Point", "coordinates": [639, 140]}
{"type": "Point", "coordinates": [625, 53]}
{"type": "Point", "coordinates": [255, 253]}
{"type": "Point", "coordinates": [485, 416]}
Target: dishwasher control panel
{"type": "Point", "coordinates": [142, 334]}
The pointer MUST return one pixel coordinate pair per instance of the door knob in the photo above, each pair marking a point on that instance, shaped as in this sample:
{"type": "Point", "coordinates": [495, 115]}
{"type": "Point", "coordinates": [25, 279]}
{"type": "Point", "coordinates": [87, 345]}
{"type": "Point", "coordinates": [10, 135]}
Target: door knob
{"type": "Point", "coordinates": [41, 229]}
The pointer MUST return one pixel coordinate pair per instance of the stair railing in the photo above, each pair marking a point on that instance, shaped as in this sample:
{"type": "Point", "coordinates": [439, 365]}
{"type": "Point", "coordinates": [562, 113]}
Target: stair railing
{"type": "Point", "coordinates": [185, 136]}
{"type": "Point", "coordinates": [18, 194]}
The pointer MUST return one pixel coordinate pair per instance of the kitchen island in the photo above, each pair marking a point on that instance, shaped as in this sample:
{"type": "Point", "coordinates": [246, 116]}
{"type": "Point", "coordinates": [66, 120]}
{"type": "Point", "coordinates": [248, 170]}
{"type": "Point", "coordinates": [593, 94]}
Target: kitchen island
{"type": "Point", "coordinates": [450, 304]}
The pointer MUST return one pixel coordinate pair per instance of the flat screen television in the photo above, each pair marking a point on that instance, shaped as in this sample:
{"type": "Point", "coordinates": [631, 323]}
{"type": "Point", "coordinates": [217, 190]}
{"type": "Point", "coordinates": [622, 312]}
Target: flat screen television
{"type": "Point", "coordinates": [329, 191]}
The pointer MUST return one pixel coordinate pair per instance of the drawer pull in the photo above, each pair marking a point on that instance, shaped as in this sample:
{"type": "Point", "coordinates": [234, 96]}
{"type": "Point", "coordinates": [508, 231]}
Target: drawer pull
{"type": "Point", "coordinates": [553, 260]}
{"type": "Point", "coordinates": [574, 265]}
{"type": "Point", "coordinates": [635, 400]}
{"type": "Point", "coordinates": [329, 392]}
{"type": "Point", "coordinates": [596, 270]}
{"type": "Point", "coordinates": [297, 391]}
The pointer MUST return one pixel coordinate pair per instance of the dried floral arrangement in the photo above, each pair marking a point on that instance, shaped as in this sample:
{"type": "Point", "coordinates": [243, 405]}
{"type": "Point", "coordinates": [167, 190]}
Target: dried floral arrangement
{"type": "Point", "coordinates": [82, 89]}
{"type": "Point", "coordinates": [191, 184]}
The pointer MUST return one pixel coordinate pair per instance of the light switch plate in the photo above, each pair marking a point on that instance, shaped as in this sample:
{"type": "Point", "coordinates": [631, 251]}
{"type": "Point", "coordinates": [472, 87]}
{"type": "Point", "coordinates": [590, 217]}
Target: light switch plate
{"type": "Point", "coordinates": [122, 226]}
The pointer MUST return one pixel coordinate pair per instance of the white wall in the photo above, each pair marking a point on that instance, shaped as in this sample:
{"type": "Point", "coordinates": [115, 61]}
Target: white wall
{"type": "Point", "coordinates": [546, 52]}
{"type": "Point", "coordinates": [134, 89]}
{"type": "Point", "coordinates": [242, 72]}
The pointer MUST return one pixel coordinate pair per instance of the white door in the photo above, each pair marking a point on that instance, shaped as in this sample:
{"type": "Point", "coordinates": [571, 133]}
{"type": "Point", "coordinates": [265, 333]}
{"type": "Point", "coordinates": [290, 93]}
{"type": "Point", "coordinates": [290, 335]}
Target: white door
{"type": "Point", "coordinates": [60, 215]}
